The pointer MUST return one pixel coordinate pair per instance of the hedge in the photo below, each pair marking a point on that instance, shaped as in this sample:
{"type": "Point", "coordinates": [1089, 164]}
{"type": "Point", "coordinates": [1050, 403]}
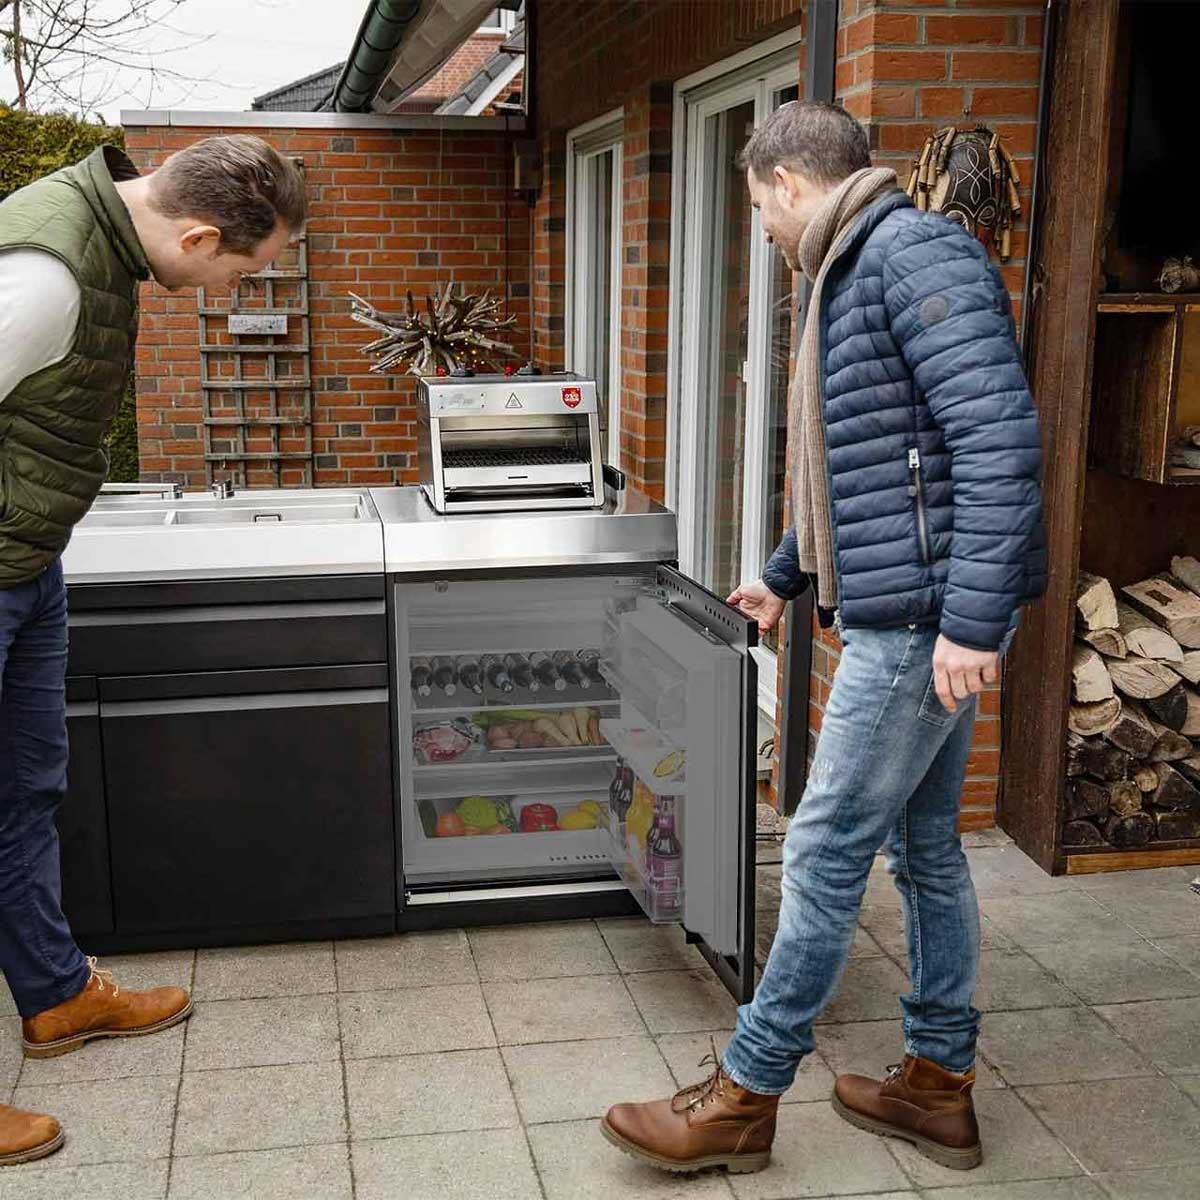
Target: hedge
{"type": "Point", "coordinates": [33, 145]}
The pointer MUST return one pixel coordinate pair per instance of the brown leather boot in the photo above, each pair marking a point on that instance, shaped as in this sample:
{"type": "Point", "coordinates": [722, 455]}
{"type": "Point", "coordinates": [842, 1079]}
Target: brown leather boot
{"type": "Point", "coordinates": [920, 1103]}
{"type": "Point", "coordinates": [102, 1009]}
{"type": "Point", "coordinates": [25, 1136]}
{"type": "Point", "coordinates": [711, 1124]}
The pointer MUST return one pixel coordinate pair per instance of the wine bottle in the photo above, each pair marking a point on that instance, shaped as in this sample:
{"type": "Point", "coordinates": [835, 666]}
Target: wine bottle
{"type": "Point", "coordinates": [664, 854]}
{"type": "Point", "coordinates": [420, 676]}
{"type": "Point", "coordinates": [569, 668]}
{"type": "Point", "coordinates": [496, 673]}
{"type": "Point", "coordinates": [546, 671]}
{"type": "Point", "coordinates": [444, 676]}
{"type": "Point", "coordinates": [470, 676]}
{"type": "Point", "coordinates": [520, 672]}
{"type": "Point", "coordinates": [590, 661]}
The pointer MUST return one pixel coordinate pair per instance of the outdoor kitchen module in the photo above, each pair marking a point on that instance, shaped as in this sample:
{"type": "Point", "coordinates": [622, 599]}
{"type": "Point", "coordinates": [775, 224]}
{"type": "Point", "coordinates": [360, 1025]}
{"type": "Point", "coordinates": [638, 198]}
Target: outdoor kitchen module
{"type": "Point", "coordinates": [319, 713]}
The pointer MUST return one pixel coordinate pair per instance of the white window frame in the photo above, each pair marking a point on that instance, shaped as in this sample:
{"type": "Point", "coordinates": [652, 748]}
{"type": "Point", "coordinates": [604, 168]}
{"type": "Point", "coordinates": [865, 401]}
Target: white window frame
{"type": "Point", "coordinates": [506, 24]}
{"type": "Point", "coordinates": [585, 144]}
{"type": "Point", "coordinates": [757, 74]}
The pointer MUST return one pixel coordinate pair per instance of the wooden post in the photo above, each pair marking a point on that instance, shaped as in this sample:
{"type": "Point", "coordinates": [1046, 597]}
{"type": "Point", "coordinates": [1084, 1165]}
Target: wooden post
{"type": "Point", "coordinates": [1059, 352]}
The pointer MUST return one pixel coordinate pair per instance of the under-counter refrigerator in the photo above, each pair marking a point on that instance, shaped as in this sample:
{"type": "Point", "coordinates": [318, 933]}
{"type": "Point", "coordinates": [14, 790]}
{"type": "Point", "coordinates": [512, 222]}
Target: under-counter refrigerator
{"type": "Point", "coordinates": [574, 724]}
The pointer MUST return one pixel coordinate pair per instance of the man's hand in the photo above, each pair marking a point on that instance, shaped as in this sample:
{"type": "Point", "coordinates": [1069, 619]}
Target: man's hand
{"type": "Point", "coordinates": [959, 672]}
{"type": "Point", "coordinates": [757, 600]}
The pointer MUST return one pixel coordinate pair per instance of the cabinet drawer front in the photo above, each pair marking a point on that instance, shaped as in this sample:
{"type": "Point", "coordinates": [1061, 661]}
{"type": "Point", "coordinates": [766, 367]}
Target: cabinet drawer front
{"type": "Point", "coordinates": [250, 810]}
{"type": "Point", "coordinates": [227, 637]}
{"type": "Point", "coordinates": [234, 684]}
{"type": "Point", "coordinates": [83, 823]}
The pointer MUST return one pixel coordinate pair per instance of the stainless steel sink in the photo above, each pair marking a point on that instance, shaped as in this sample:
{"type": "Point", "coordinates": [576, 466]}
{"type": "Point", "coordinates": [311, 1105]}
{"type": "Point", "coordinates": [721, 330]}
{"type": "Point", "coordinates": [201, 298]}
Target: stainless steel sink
{"type": "Point", "coordinates": [127, 519]}
{"type": "Point", "coordinates": [301, 506]}
{"type": "Point", "coordinates": [274, 514]}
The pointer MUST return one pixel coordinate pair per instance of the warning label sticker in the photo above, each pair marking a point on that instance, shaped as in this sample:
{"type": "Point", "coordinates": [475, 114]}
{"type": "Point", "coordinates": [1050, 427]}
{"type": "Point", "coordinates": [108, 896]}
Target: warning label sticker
{"type": "Point", "coordinates": [513, 402]}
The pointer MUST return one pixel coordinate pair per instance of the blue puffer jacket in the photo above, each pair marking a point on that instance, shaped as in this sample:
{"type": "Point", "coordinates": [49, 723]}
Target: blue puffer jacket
{"type": "Point", "coordinates": [934, 451]}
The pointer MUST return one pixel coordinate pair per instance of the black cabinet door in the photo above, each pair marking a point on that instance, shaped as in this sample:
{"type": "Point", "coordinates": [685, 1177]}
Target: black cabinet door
{"type": "Point", "coordinates": [82, 821]}
{"type": "Point", "coordinates": [258, 808]}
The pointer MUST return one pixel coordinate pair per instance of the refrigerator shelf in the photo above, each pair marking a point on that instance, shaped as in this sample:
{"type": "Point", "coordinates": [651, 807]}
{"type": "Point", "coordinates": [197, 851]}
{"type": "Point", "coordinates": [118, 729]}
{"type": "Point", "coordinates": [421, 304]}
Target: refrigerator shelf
{"type": "Point", "coordinates": [543, 756]}
{"type": "Point", "coordinates": [665, 712]}
{"type": "Point", "coordinates": [423, 714]}
{"type": "Point", "coordinates": [515, 635]}
{"type": "Point", "coordinates": [581, 776]}
{"type": "Point", "coordinates": [644, 749]}
{"type": "Point", "coordinates": [571, 697]}
{"type": "Point", "coordinates": [495, 856]}
{"type": "Point", "coordinates": [660, 910]}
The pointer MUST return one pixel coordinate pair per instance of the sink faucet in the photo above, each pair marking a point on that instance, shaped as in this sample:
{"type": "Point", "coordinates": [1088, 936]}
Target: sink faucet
{"type": "Point", "coordinates": [222, 488]}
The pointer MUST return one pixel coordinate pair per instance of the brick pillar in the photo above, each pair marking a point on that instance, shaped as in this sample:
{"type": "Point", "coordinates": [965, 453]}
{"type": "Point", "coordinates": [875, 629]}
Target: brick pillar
{"type": "Point", "coordinates": [549, 255]}
{"type": "Point", "coordinates": [644, 288]}
{"type": "Point", "coordinates": [905, 74]}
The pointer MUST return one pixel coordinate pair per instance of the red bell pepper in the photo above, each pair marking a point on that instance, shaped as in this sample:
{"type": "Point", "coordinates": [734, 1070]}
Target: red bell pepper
{"type": "Point", "coordinates": [538, 818]}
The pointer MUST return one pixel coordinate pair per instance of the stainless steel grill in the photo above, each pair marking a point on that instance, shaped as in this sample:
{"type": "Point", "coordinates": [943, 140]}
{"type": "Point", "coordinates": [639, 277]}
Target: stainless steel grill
{"type": "Point", "coordinates": [494, 443]}
{"type": "Point", "coordinates": [530, 456]}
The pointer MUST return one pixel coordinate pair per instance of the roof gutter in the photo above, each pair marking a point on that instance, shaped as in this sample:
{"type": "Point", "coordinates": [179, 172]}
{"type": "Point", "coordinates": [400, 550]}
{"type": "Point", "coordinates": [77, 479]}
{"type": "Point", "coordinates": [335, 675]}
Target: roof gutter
{"type": "Point", "coordinates": [381, 32]}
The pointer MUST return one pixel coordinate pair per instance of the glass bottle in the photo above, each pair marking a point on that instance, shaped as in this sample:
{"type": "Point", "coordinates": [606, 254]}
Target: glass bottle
{"type": "Point", "coordinates": [496, 673]}
{"type": "Point", "coordinates": [664, 855]}
{"type": "Point", "coordinates": [420, 676]}
{"type": "Point", "coordinates": [589, 659]}
{"type": "Point", "coordinates": [444, 675]}
{"type": "Point", "coordinates": [570, 669]}
{"type": "Point", "coordinates": [546, 672]}
{"type": "Point", "coordinates": [521, 673]}
{"type": "Point", "coordinates": [469, 674]}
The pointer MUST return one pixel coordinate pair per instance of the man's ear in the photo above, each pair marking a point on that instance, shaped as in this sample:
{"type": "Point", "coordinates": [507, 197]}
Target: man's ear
{"type": "Point", "coordinates": [783, 183]}
{"type": "Point", "coordinates": [200, 238]}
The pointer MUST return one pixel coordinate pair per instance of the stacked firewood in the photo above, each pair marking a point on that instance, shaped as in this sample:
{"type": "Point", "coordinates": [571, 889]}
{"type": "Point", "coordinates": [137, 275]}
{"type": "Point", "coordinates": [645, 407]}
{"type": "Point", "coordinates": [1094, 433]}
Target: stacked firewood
{"type": "Point", "coordinates": [1133, 746]}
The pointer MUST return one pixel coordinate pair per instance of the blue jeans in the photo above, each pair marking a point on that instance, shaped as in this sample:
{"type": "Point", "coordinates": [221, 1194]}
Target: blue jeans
{"type": "Point", "coordinates": [38, 955]}
{"type": "Point", "coordinates": [888, 770]}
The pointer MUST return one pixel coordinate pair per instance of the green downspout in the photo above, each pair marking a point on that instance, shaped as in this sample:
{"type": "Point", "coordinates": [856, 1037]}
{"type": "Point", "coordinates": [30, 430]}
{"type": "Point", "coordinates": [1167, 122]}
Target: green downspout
{"type": "Point", "coordinates": [381, 31]}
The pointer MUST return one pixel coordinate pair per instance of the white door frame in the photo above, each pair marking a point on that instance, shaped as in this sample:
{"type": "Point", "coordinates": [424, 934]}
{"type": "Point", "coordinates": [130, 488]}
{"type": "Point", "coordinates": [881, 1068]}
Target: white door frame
{"type": "Point", "coordinates": [716, 91]}
{"type": "Point", "coordinates": [584, 144]}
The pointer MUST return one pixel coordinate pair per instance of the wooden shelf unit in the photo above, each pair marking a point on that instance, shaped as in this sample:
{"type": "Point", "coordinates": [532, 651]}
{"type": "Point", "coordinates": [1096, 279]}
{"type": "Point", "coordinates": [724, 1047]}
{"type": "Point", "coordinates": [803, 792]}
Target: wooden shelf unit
{"type": "Point", "coordinates": [1146, 383]}
{"type": "Point", "coordinates": [1101, 361]}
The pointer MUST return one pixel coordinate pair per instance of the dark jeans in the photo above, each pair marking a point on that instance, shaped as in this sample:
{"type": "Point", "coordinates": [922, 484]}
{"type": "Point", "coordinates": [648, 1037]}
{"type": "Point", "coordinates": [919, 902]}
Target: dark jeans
{"type": "Point", "coordinates": [38, 955]}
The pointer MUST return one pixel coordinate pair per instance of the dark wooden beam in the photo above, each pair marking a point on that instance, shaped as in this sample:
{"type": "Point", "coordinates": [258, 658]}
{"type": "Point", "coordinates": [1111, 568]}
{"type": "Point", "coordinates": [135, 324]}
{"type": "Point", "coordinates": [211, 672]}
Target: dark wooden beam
{"type": "Point", "coordinates": [1062, 327]}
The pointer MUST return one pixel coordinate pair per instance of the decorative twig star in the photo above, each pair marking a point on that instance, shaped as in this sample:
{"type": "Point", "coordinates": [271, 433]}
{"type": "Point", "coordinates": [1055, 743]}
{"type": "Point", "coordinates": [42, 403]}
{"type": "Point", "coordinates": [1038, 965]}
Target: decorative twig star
{"type": "Point", "coordinates": [452, 333]}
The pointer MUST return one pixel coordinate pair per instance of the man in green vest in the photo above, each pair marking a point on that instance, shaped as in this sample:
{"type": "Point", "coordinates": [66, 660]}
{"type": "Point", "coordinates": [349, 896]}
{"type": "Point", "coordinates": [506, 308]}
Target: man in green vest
{"type": "Point", "coordinates": [74, 249]}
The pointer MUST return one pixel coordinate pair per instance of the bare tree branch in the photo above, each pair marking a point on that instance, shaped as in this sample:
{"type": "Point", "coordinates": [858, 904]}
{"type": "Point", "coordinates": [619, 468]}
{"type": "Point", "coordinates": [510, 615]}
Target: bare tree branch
{"type": "Point", "coordinates": [81, 53]}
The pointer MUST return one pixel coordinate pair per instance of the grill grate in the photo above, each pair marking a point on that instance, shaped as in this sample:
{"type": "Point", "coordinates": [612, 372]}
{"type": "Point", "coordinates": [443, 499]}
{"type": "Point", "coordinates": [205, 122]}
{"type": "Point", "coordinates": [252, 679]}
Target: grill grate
{"type": "Point", "coordinates": [530, 456]}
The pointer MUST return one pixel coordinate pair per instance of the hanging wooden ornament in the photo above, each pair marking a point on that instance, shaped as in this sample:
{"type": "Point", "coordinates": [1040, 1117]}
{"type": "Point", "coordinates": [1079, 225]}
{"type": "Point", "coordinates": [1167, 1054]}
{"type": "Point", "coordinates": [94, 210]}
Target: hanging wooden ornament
{"type": "Point", "coordinates": [968, 176]}
{"type": "Point", "coordinates": [452, 334]}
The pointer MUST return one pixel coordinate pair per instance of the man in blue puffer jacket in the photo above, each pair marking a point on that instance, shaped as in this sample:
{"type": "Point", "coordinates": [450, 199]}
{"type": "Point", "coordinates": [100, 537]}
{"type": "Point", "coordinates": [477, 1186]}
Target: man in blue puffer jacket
{"type": "Point", "coordinates": [915, 488]}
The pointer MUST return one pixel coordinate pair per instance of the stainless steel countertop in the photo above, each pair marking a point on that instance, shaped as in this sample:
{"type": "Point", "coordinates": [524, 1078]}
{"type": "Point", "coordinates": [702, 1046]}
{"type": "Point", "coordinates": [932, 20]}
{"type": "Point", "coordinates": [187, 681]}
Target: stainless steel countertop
{"type": "Point", "coordinates": [320, 531]}
{"type": "Point", "coordinates": [629, 528]}
{"type": "Point", "coordinates": [133, 538]}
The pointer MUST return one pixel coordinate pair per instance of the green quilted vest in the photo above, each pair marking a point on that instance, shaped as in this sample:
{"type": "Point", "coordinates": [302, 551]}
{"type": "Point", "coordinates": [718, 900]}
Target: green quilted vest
{"type": "Point", "coordinates": [52, 424]}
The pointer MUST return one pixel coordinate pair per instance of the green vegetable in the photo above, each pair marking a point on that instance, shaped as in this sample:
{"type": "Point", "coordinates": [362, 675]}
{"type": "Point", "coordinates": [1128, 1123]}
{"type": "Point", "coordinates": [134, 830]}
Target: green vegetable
{"type": "Point", "coordinates": [504, 815]}
{"type": "Point", "coordinates": [478, 811]}
{"type": "Point", "coordinates": [499, 716]}
{"type": "Point", "coordinates": [429, 818]}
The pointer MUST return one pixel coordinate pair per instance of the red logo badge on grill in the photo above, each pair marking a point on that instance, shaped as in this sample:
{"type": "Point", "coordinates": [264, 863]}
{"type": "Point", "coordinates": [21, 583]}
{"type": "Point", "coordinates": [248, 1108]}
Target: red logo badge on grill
{"type": "Point", "coordinates": [572, 397]}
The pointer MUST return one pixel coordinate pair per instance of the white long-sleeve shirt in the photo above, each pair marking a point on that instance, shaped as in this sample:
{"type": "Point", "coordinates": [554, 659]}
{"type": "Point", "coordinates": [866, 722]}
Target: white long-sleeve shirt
{"type": "Point", "coordinates": [39, 310]}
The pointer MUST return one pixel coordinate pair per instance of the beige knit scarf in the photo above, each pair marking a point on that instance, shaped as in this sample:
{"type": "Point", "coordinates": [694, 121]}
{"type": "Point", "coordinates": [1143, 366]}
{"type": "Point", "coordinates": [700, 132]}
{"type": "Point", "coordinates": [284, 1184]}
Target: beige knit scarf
{"type": "Point", "coordinates": [812, 511]}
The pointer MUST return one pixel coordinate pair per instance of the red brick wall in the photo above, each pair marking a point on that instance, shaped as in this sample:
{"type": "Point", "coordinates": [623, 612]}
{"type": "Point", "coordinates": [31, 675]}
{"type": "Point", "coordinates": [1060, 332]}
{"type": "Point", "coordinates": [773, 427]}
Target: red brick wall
{"type": "Point", "coordinates": [593, 56]}
{"type": "Point", "coordinates": [381, 221]}
{"type": "Point", "coordinates": [905, 69]}
{"type": "Point", "coordinates": [459, 70]}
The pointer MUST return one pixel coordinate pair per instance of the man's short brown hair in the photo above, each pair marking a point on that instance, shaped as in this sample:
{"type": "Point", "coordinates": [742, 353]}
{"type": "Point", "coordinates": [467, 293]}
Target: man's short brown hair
{"type": "Point", "coordinates": [822, 142]}
{"type": "Point", "coordinates": [237, 183]}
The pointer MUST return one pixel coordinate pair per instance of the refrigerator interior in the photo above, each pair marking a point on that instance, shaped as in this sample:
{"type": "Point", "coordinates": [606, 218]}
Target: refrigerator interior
{"type": "Point", "coordinates": [568, 727]}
